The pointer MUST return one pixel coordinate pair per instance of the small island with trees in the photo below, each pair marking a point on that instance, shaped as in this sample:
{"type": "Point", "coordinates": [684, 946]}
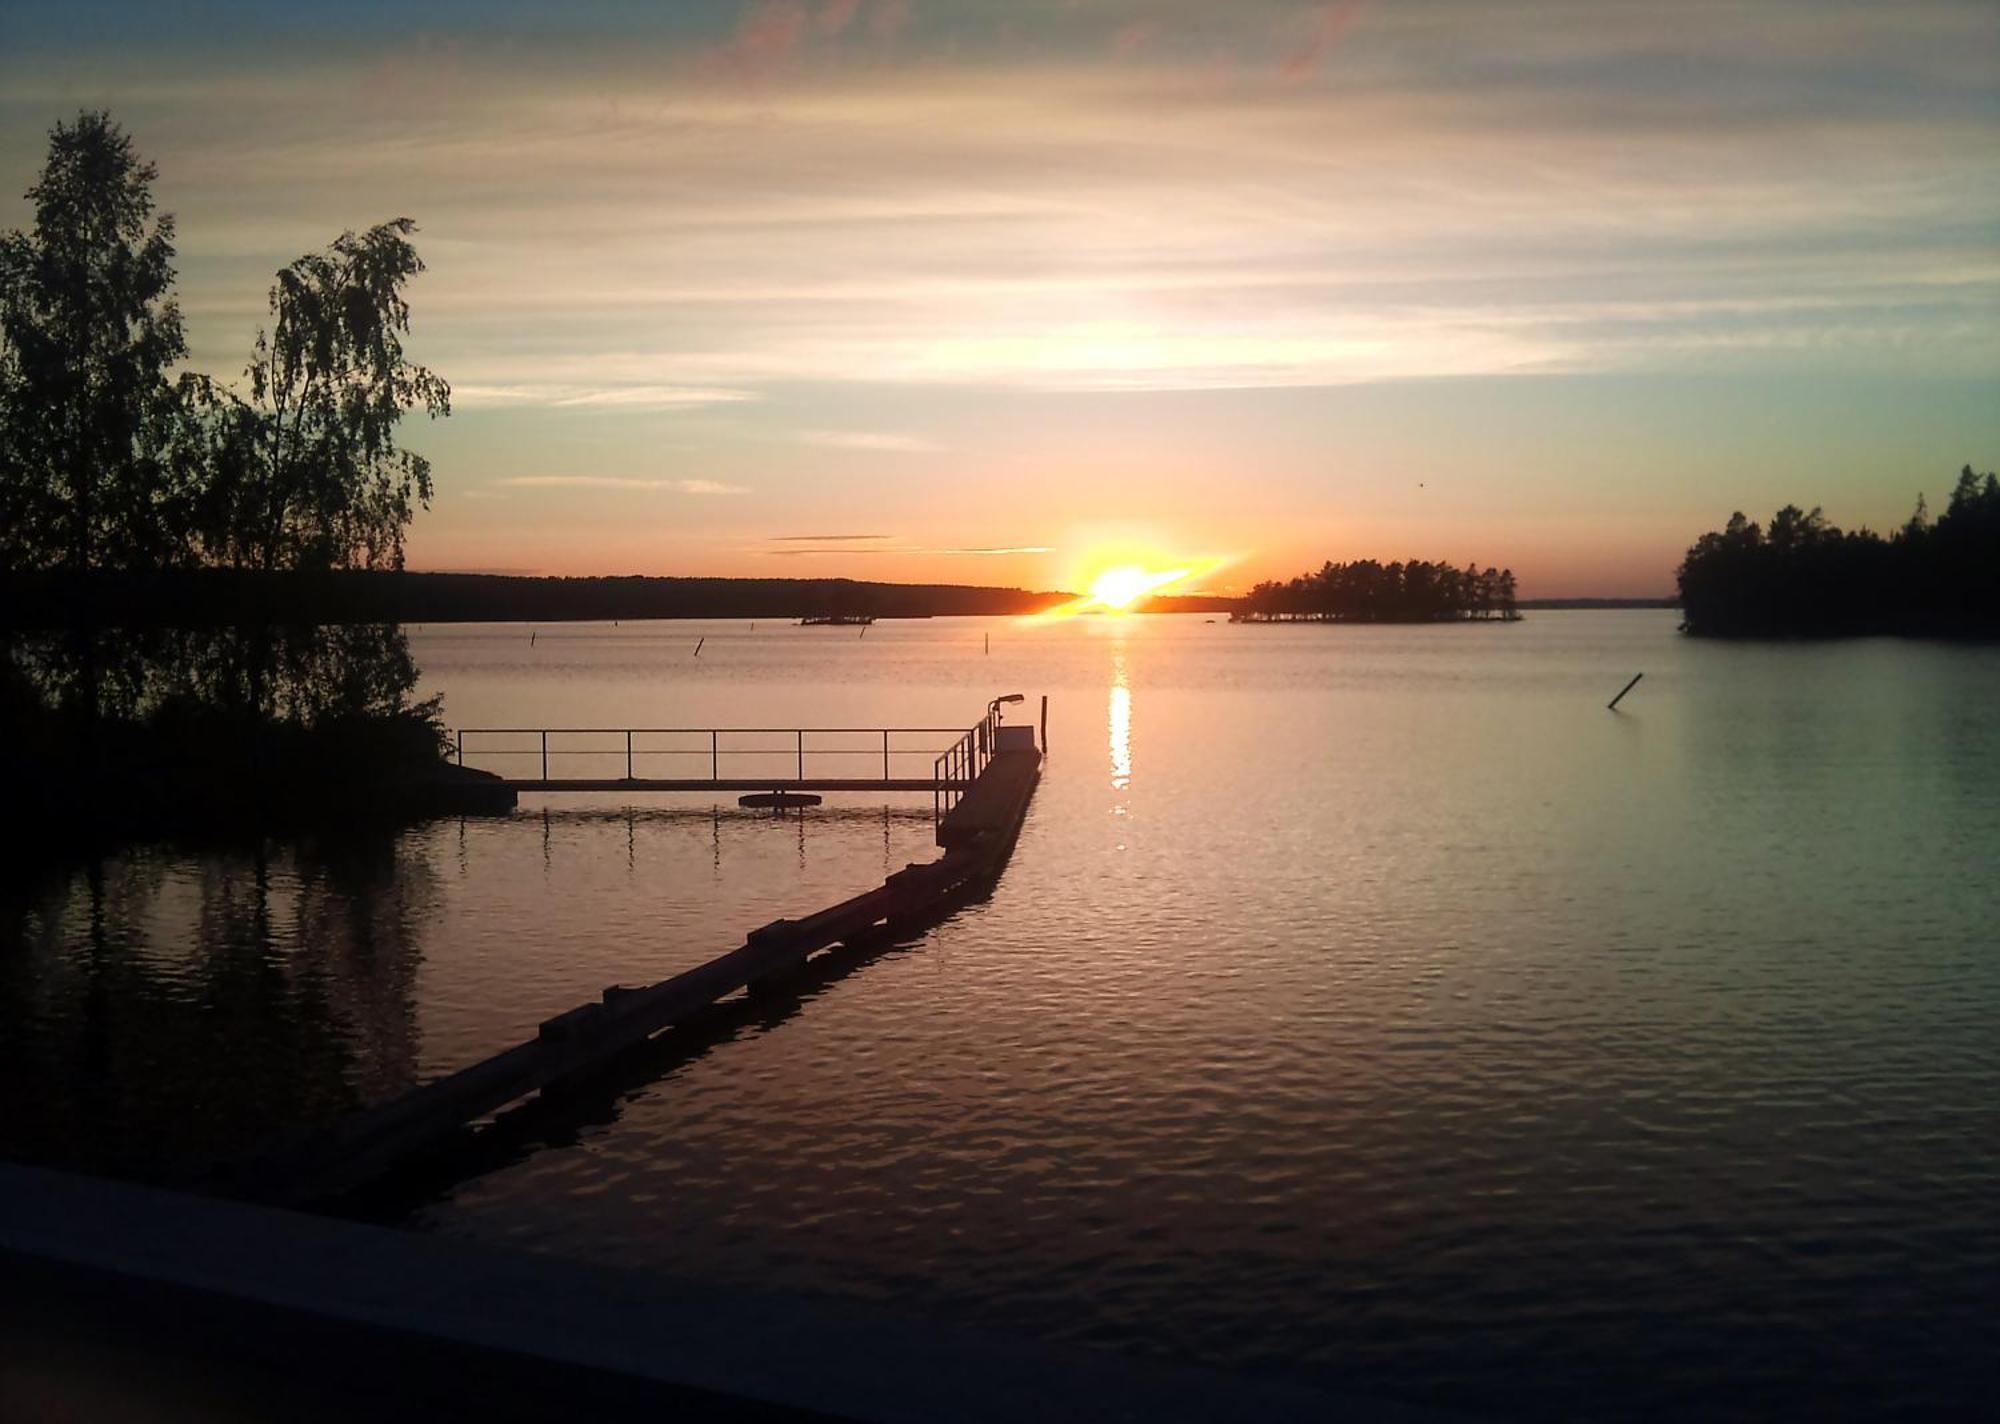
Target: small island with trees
{"type": "Point", "coordinates": [1803, 577]}
{"type": "Point", "coordinates": [1370, 592]}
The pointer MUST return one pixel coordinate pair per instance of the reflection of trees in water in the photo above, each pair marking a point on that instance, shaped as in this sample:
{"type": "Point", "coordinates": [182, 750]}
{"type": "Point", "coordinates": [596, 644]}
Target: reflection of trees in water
{"type": "Point", "coordinates": [307, 676]}
{"type": "Point", "coordinates": [218, 728]}
{"type": "Point", "coordinates": [161, 1012]}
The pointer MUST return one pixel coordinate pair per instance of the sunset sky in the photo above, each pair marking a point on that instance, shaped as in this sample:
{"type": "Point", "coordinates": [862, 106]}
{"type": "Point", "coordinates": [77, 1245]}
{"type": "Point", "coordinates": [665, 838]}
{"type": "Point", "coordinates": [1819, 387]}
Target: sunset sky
{"type": "Point", "coordinates": [988, 293]}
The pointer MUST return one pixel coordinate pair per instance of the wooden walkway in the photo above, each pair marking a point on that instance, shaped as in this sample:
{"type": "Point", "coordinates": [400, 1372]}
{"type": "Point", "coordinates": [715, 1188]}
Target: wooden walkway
{"type": "Point", "coordinates": [741, 783]}
{"type": "Point", "coordinates": [977, 833]}
{"type": "Point", "coordinates": [994, 802]}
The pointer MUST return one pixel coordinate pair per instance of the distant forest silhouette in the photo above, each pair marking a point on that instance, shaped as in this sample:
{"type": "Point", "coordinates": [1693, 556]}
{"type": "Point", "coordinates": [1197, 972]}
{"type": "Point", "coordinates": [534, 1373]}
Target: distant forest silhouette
{"type": "Point", "coordinates": [113, 469]}
{"type": "Point", "coordinates": [1802, 576]}
{"type": "Point", "coordinates": [210, 597]}
{"type": "Point", "coordinates": [1370, 592]}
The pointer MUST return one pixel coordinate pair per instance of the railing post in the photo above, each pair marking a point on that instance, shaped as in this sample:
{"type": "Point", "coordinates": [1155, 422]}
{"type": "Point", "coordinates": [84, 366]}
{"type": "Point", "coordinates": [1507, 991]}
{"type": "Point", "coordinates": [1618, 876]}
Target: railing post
{"type": "Point", "coordinates": [802, 753]}
{"type": "Point", "coordinates": [461, 746]}
{"type": "Point", "coordinates": [628, 753]}
{"type": "Point", "coordinates": [885, 753]}
{"type": "Point", "coordinates": [545, 755]}
{"type": "Point", "coordinates": [714, 755]}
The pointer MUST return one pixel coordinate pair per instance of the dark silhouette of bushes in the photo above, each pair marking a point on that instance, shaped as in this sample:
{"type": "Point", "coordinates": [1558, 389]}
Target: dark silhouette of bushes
{"type": "Point", "coordinates": [1371, 592]}
{"type": "Point", "coordinates": [1803, 577]}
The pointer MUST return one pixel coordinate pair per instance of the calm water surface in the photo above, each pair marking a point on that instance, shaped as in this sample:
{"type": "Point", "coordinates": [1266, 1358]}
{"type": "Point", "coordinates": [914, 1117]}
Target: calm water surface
{"type": "Point", "coordinates": [1363, 1004]}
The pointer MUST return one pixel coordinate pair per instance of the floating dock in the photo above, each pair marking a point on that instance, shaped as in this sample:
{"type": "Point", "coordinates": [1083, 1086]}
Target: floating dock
{"type": "Point", "coordinates": [983, 785]}
{"type": "Point", "coordinates": [671, 760]}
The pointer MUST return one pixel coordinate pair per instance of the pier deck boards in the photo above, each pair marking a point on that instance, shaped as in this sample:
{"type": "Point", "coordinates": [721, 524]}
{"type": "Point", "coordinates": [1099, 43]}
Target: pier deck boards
{"type": "Point", "coordinates": [996, 799]}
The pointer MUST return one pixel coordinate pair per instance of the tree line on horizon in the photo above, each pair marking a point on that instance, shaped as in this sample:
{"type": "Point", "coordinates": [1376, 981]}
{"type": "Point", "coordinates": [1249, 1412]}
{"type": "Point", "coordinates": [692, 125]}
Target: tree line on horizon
{"type": "Point", "coordinates": [206, 598]}
{"type": "Point", "coordinates": [1803, 576]}
{"type": "Point", "coordinates": [116, 461]}
{"type": "Point", "coordinates": [1367, 591]}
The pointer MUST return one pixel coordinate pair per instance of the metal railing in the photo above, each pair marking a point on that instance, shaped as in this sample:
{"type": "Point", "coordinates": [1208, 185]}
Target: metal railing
{"type": "Point", "coordinates": [686, 753]}
{"type": "Point", "coordinates": [961, 763]}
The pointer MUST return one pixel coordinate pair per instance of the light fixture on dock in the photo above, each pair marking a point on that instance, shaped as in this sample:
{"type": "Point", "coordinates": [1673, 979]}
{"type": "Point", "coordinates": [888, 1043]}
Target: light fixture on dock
{"type": "Point", "coordinates": [993, 707]}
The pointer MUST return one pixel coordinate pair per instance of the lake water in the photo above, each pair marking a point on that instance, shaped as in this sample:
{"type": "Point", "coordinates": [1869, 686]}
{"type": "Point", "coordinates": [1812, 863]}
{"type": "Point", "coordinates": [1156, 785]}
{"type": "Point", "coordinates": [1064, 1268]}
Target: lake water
{"type": "Point", "coordinates": [1362, 1004]}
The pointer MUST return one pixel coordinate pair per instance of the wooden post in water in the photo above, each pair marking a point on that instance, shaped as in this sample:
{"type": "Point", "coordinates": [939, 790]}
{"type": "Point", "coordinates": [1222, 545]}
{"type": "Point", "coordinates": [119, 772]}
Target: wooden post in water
{"type": "Point", "coordinates": [1045, 724]}
{"type": "Point", "coordinates": [1612, 705]}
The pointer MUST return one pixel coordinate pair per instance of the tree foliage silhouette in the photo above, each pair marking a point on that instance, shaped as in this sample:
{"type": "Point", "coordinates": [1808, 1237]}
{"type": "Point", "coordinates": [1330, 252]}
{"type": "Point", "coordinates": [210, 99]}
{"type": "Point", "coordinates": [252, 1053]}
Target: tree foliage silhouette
{"type": "Point", "coordinates": [306, 473]}
{"type": "Point", "coordinates": [88, 330]}
{"type": "Point", "coordinates": [1802, 575]}
{"type": "Point", "coordinates": [111, 472]}
{"type": "Point", "coordinates": [1367, 591]}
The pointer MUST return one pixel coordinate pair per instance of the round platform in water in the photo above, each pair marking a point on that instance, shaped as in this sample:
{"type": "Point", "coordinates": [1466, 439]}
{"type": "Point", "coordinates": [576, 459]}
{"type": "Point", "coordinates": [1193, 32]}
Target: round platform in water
{"type": "Point", "coordinates": [778, 800]}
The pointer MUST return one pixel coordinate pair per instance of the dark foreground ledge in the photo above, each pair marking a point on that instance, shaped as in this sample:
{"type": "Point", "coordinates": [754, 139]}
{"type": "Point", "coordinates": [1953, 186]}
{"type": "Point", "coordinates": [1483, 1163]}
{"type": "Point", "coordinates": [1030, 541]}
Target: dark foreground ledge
{"type": "Point", "coordinates": [127, 1302]}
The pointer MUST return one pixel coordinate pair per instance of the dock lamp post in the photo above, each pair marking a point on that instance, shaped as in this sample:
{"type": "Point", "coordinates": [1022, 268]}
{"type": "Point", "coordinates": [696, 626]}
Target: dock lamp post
{"type": "Point", "coordinates": [993, 707]}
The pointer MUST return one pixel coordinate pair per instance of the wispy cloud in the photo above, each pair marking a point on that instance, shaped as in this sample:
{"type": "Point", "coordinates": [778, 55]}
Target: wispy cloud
{"type": "Point", "coordinates": [619, 482]}
{"type": "Point", "coordinates": [610, 397]}
{"type": "Point", "coordinates": [1017, 549]}
{"type": "Point", "coordinates": [884, 550]}
{"type": "Point", "coordinates": [1365, 195]}
{"type": "Point", "coordinates": [772, 36]}
{"type": "Point", "coordinates": [870, 440]}
{"type": "Point", "coordinates": [1324, 27]}
{"type": "Point", "coordinates": [836, 15]}
{"type": "Point", "coordinates": [824, 538]}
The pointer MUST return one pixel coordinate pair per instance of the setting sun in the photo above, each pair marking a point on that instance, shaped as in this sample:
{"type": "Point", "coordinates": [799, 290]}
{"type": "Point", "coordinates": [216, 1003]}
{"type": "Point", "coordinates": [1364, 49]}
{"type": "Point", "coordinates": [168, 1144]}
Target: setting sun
{"type": "Point", "coordinates": [1121, 587]}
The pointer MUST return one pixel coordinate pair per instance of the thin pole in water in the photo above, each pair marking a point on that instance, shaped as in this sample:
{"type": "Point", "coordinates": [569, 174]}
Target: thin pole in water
{"type": "Point", "coordinates": [1612, 705]}
{"type": "Point", "coordinates": [1045, 724]}
{"type": "Point", "coordinates": [989, 643]}
{"type": "Point", "coordinates": [697, 645]}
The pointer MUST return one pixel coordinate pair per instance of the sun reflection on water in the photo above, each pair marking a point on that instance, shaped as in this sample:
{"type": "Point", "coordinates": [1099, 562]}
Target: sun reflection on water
{"type": "Point", "coordinates": [1121, 727]}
